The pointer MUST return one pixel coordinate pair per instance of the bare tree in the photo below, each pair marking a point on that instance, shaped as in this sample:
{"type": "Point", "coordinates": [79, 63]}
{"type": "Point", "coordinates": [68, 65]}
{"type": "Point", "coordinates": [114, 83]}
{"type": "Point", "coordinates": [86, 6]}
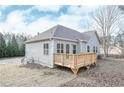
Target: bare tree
{"type": "Point", "coordinates": [119, 40]}
{"type": "Point", "coordinates": [106, 18]}
{"type": "Point", "coordinates": [121, 33]}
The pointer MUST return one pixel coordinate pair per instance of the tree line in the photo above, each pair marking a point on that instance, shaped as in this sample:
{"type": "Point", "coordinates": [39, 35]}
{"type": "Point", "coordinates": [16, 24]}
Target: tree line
{"type": "Point", "coordinates": [12, 45]}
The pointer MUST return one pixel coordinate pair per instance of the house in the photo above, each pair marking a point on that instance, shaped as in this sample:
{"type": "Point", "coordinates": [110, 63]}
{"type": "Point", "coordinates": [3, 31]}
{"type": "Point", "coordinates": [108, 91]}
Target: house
{"type": "Point", "coordinates": [60, 39]}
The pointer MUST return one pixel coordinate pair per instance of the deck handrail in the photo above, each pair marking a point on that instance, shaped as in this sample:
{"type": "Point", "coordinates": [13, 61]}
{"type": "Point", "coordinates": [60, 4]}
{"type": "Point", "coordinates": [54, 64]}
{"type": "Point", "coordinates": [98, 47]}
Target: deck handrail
{"type": "Point", "coordinates": [75, 61]}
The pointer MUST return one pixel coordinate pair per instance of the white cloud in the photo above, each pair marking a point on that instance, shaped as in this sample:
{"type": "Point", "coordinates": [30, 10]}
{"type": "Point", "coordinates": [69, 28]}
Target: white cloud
{"type": "Point", "coordinates": [41, 25]}
{"type": "Point", "coordinates": [47, 8]}
{"type": "Point", "coordinates": [15, 17]}
{"type": "Point", "coordinates": [4, 6]}
{"type": "Point", "coordinates": [84, 12]}
{"type": "Point", "coordinates": [71, 21]}
{"type": "Point", "coordinates": [16, 23]}
{"type": "Point", "coordinates": [81, 10]}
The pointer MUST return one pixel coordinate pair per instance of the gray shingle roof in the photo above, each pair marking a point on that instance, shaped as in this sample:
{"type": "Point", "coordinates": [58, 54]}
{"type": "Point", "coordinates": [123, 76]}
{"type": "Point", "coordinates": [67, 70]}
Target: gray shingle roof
{"type": "Point", "coordinates": [60, 31]}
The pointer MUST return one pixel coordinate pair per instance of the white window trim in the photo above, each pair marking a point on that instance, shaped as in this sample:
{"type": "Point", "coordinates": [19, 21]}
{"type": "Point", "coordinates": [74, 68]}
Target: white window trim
{"type": "Point", "coordinates": [94, 49]}
{"type": "Point", "coordinates": [68, 49]}
{"type": "Point", "coordinates": [87, 48]}
{"type": "Point", "coordinates": [60, 48]}
{"type": "Point", "coordinates": [45, 49]}
{"type": "Point", "coordinates": [74, 49]}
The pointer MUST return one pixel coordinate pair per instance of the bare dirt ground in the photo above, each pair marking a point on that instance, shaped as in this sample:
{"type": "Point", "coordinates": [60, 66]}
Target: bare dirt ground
{"type": "Point", "coordinates": [108, 72]}
{"type": "Point", "coordinates": [13, 74]}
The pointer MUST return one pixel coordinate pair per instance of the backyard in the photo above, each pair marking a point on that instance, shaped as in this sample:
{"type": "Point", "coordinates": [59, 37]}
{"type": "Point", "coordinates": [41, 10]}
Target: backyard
{"type": "Point", "coordinates": [107, 72]}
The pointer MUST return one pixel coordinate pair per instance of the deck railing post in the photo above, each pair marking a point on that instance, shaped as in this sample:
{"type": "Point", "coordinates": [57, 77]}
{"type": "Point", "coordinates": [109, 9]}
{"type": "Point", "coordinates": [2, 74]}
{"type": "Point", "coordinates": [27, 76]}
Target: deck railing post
{"type": "Point", "coordinates": [75, 61]}
{"type": "Point", "coordinates": [62, 59]}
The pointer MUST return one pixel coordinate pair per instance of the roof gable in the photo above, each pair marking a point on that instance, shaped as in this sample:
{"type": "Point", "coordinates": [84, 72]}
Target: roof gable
{"type": "Point", "coordinates": [90, 34]}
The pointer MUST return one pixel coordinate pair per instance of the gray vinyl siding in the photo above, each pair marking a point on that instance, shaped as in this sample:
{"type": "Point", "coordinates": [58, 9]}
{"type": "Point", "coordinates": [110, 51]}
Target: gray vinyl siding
{"type": "Point", "coordinates": [94, 42]}
{"type": "Point", "coordinates": [36, 51]}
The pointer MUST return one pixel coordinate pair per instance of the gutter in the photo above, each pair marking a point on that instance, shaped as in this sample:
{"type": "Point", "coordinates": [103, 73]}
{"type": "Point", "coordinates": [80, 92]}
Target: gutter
{"type": "Point", "coordinates": [59, 38]}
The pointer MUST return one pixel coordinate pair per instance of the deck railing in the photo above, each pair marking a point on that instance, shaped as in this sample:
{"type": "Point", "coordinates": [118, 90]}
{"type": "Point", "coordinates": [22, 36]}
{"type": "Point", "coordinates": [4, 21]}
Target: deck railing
{"type": "Point", "coordinates": [75, 61]}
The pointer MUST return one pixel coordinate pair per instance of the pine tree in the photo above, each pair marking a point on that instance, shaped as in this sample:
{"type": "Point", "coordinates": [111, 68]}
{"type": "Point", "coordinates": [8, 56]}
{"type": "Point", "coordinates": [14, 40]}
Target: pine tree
{"type": "Point", "coordinates": [22, 48]}
{"type": "Point", "coordinates": [2, 46]}
{"type": "Point", "coordinates": [9, 49]}
{"type": "Point", "coordinates": [14, 46]}
{"type": "Point", "coordinates": [11, 45]}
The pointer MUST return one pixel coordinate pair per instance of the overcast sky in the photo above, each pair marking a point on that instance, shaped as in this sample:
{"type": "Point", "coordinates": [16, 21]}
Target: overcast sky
{"type": "Point", "coordinates": [32, 19]}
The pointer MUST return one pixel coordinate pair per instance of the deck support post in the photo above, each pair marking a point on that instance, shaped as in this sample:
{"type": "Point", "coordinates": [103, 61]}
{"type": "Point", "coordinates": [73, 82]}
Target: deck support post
{"type": "Point", "coordinates": [75, 71]}
{"type": "Point", "coordinates": [88, 67]}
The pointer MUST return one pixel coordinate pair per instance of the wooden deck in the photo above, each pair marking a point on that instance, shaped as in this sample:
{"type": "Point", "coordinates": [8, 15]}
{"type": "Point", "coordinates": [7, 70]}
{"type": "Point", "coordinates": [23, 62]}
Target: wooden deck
{"type": "Point", "coordinates": [75, 61]}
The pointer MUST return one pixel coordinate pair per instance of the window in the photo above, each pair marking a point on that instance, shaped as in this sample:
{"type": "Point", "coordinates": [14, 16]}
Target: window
{"type": "Point", "coordinates": [46, 49]}
{"type": "Point", "coordinates": [88, 48]}
{"type": "Point", "coordinates": [74, 49]}
{"type": "Point", "coordinates": [94, 49]}
{"type": "Point", "coordinates": [67, 48]}
{"type": "Point", "coordinates": [60, 48]}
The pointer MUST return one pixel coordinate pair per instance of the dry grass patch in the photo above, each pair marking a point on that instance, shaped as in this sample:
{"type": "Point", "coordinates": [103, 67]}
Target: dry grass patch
{"type": "Point", "coordinates": [32, 75]}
